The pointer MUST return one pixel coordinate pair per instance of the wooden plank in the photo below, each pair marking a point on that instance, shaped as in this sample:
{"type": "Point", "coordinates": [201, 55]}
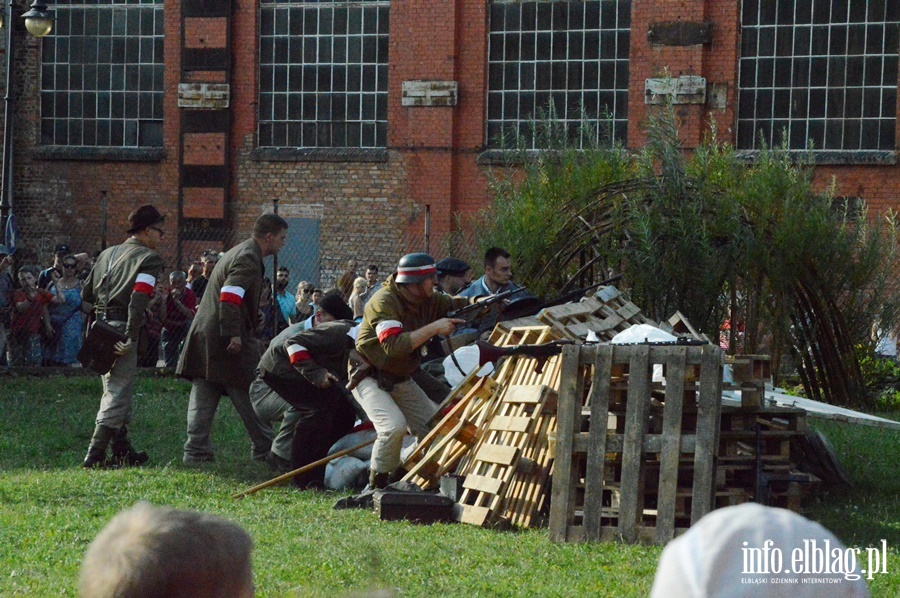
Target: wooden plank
{"type": "Point", "coordinates": [470, 514]}
{"type": "Point", "coordinates": [596, 453]}
{"type": "Point", "coordinates": [631, 507]}
{"type": "Point", "coordinates": [563, 490]}
{"type": "Point", "coordinates": [510, 424]}
{"type": "Point", "coordinates": [525, 393]}
{"type": "Point", "coordinates": [497, 454]}
{"type": "Point", "coordinates": [482, 483]}
{"type": "Point", "coordinates": [671, 448]}
{"type": "Point", "coordinates": [708, 416]}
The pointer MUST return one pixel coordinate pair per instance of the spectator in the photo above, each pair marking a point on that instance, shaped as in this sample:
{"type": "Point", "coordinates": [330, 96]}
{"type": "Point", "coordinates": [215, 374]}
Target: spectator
{"type": "Point", "coordinates": [287, 303]}
{"type": "Point", "coordinates": [45, 278]}
{"type": "Point", "coordinates": [316, 298]}
{"type": "Point", "coordinates": [208, 262]}
{"type": "Point", "coordinates": [6, 291]}
{"type": "Point", "coordinates": [356, 302]}
{"type": "Point", "coordinates": [30, 317]}
{"type": "Point", "coordinates": [711, 559]}
{"type": "Point", "coordinates": [497, 275]}
{"type": "Point", "coordinates": [148, 552]}
{"type": "Point", "coordinates": [304, 302]}
{"type": "Point", "coordinates": [345, 282]}
{"type": "Point", "coordinates": [150, 335]}
{"type": "Point", "coordinates": [371, 283]}
{"type": "Point", "coordinates": [67, 318]}
{"type": "Point", "coordinates": [453, 275]}
{"type": "Point", "coordinates": [194, 271]}
{"type": "Point", "coordinates": [180, 306]}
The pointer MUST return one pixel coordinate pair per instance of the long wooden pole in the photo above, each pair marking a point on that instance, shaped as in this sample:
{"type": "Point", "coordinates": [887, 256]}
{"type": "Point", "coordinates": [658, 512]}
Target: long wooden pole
{"type": "Point", "coordinates": [286, 476]}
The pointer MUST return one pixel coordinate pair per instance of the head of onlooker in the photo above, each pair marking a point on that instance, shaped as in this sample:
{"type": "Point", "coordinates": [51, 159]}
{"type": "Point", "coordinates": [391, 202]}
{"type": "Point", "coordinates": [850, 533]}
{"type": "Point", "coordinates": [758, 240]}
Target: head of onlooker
{"type": "Point", "coordinates": [371, 275]}
{"type": "Point", "coordinates": [713, 557]}
{"type": "Point", "coordinates": [27, 276]}
{"type": "Point", "coordinates": [177, 283]}
{"type": "Point", "coordinates": [208, 261]}
{"type": "Point", "coordinates": [332, 307]}
{"type": "Point", "coordinates": [497, 268]}
{"type": "Point", "coordinates": [147, 552]}
{"type": "Point", "coordinates": [316, 297]}
{"type": "Point", "coordinates": [270, 232]}
{"type": "Point", "coordinates": [453, 275]}
{"type": "Point", "coordinates": [282, 278]}
{"type": "Point", "coordinates": [194, 270]}
{"type": "Point", "coordinates": [359, 285]}
{"type": "Point", "coordinates": [61, 251]}
{"type": "Point", "coordinates": [69, 268]}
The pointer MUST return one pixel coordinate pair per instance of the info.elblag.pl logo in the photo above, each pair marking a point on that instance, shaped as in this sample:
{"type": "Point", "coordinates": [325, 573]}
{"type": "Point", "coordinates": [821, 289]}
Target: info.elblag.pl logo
{"type": "Point", "coordinates": [815, 561]}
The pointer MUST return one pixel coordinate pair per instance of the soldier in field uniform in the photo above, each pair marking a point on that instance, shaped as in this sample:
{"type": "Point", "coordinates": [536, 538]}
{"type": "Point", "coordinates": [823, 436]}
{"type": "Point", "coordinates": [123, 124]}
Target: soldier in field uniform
{"type": "Point", "coordinates": [120, 286]}
{"type": "Point", "coordinates": [221, 350]}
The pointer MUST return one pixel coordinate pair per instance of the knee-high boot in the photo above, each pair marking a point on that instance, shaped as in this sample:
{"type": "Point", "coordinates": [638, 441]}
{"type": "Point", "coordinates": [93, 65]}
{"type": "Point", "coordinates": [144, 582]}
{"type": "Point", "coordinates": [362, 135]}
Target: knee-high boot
{"type": "Point", "coordinates": [96, 455]}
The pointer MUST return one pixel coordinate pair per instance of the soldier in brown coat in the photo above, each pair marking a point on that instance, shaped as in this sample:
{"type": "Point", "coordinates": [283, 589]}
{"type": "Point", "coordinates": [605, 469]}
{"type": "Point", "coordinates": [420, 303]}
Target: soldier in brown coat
{"type": "Point", "coordinates": [221, 350]}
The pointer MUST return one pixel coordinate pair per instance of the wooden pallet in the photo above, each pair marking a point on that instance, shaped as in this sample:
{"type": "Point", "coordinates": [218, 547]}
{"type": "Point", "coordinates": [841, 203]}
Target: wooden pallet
{"type": "Point", "coordinates": [506, 475]}
{"type": "Point", "coordinates": [516, 435]}
{"type": "Point", "coordinates": [606, 313]}
{"type": "Point", "coordinates": [596, 378]}
{"type": "Point", "coordinates": [439, 452]}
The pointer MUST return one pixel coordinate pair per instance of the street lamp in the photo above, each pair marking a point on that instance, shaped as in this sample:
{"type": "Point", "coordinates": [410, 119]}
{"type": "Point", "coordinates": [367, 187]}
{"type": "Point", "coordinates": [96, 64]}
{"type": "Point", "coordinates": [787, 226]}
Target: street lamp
{"type": "Point", "coordinates": [38, 22]}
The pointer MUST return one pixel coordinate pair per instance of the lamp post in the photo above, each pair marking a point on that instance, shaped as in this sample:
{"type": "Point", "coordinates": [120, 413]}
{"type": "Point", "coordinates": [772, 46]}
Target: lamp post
{"type": "Point", "coordinates": [38, 22]}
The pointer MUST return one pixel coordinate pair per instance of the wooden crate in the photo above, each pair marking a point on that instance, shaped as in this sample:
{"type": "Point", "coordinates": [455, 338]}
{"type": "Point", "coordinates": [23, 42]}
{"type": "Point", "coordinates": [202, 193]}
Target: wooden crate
{"type": "Point", "coordinates": [634, 478]}
{"type": "Point", "coordinates": [606, 313]}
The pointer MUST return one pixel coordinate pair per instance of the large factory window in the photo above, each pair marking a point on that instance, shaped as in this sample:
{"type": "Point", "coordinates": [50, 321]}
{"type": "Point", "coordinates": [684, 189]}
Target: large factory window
{"type": "Point", "coordinates": [818, 74]}
{"type": "Point", "coordinates": [102, 74]}
{"type": "Point", "coordinates": [561, 62]}
{"type": "Point", "coordinates": [323, 70]}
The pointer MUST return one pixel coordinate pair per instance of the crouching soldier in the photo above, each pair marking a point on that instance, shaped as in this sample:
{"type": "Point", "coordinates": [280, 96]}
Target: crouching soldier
{"type": "Point", "coordinates": [398, 320]}
{"type": "Point", "coordinates": [308, 370]}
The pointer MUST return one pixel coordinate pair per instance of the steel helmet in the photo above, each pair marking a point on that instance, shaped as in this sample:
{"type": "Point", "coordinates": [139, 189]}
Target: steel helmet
{"type": "Point", "coordinates": [415, 267]}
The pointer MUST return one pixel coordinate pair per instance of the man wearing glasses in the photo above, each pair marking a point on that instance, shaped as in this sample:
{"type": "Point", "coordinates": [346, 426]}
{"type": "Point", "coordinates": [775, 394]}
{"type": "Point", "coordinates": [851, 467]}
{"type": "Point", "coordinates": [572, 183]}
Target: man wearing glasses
{"type": "Point", "coordinates": [120, 287]}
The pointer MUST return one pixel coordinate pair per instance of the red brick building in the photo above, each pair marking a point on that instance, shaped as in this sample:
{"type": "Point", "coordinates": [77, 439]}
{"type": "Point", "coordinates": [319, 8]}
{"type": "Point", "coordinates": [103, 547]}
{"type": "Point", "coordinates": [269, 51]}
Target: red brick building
{"type": "Point", "coordinates": [360, 118]}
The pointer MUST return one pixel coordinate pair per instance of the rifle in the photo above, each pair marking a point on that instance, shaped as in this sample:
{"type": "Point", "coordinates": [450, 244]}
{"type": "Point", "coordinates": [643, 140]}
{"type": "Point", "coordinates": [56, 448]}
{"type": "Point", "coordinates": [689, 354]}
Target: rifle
{"type": "Point", "coordinates": [471, 311]}
{"type": "Point", "coordinates": [540, 353]}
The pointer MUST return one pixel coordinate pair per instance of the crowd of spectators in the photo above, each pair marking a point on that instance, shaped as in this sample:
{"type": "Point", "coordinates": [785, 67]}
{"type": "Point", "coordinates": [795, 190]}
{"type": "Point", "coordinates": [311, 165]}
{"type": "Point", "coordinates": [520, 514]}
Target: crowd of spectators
{"type": "Point", "coordinates": [43, 318]}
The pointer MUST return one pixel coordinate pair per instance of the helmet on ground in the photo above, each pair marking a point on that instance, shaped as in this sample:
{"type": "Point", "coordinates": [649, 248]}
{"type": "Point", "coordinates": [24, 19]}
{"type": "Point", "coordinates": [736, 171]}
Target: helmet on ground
{"type": "Point", "coordinates": [415, 267]}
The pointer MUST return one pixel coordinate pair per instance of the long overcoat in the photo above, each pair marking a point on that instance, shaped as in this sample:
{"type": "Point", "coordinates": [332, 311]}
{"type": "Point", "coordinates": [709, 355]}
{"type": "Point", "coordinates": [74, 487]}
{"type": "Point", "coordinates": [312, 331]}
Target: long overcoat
{"type": "Point", "coordinates": [229, 308]}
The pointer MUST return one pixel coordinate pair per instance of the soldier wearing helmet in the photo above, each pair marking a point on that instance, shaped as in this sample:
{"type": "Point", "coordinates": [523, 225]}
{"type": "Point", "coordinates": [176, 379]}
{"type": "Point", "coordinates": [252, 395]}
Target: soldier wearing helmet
{"type": "Point", "coordinates": [398, 320]}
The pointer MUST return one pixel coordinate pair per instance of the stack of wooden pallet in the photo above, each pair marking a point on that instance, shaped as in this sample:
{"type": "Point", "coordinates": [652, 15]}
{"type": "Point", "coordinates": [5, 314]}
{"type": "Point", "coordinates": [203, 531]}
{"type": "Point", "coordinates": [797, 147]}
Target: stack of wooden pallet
{"type": "Point", "coordinates": [632, 457]}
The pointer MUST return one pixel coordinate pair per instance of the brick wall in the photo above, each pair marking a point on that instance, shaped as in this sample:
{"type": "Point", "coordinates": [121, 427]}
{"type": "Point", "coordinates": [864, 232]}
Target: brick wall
{"type": "Point", "coordinates": [371, 211]}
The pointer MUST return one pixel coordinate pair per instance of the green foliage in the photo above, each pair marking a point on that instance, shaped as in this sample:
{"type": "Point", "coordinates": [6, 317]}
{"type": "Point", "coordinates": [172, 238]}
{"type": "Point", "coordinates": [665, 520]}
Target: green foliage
{"type": "Point", "coordinates": [706, 234]}
{"type": "Point", "coordinates": [536, 195]}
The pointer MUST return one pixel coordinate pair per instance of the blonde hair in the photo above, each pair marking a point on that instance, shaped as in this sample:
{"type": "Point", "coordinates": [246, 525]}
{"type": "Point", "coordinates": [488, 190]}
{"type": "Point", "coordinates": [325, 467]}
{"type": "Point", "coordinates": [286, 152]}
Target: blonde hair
{"type": "Point", "coordinates": [360, 284]}
{"type": "Point", "coordinates": [148, 551]}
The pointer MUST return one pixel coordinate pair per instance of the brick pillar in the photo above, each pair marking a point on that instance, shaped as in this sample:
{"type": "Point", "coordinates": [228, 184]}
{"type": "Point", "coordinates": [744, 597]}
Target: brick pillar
{"type": "Point", "coordinates": [204, 100]}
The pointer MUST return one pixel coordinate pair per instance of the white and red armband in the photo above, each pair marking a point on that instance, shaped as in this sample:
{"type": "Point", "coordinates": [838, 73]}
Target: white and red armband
{"type": "Point", "coordinates": [298, 354]}
{"type": "Point", "coordinates": [387, 329]}
{"type": "Point", "coordinates": [232, 294]}
{"type": "Point", "coordinates": [144, 283]}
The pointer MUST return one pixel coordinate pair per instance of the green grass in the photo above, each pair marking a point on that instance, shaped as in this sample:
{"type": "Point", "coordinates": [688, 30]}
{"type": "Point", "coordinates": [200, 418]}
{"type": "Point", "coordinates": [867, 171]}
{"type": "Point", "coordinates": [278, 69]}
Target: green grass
{"type": "Point", "coordinates": [50, 510]}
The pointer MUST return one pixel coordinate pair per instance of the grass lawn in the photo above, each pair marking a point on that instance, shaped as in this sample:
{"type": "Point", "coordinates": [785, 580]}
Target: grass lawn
{"type": "Point", "coordinates": [50, 510]}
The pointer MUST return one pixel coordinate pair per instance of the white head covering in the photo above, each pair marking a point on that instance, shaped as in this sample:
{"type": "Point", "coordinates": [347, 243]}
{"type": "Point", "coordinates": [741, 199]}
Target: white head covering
{"type": "Point", "coordinates": [716, 558]}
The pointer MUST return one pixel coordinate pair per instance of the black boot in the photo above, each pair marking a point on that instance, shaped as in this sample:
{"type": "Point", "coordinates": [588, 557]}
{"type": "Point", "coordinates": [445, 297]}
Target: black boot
{"type": "Point", "coordinates": [96, 456]}
{"type": "Point", "coordinates": [379, 480]}
{"type": "Point", "coordinates": [123, 454]}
